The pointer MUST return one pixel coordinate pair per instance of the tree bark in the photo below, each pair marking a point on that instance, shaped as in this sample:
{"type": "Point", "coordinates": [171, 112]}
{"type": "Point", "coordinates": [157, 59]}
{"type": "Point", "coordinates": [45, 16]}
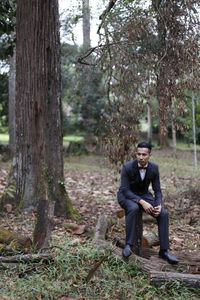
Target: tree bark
{"type": "Point", "coordinates": [101, 228]}
{"type": "Point", "coordinates": [43, 227]}
{"type": "Point", "coordinates": [173, 135]}
{"type": "Point", "coordinates": [194, 129]}
{"type": "Point", "coordinates": [39, 151]}
{"type": "Point", "coordinates": [27, 258]}
{"type": "Point", "coordinates": [162, 80]}
{"type": "Point", "coordinates": [11, 104]}
{"type": "Point", "coordinates": [149, 120]}
{"type": "Point", "coordinates": [190, 280]}
{"type": "Point", "coordinates": [86, 24]}
{"type": "Point", "coordinates": [38, 105]}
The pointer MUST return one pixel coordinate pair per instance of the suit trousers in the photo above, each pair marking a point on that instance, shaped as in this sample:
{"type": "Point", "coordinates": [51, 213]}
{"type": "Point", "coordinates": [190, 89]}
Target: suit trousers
{"type": "Point", "coordinates": [132, 210]}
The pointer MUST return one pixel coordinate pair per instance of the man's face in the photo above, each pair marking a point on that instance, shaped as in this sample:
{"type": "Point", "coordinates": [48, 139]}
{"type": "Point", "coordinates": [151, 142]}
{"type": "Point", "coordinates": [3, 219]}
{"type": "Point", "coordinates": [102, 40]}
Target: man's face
{"type": "Point", "coordinates": [143, 156]}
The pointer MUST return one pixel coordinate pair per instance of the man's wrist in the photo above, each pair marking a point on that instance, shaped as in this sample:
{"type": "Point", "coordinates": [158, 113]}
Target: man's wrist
{"type": "Point", "coordinates": [141, 201]}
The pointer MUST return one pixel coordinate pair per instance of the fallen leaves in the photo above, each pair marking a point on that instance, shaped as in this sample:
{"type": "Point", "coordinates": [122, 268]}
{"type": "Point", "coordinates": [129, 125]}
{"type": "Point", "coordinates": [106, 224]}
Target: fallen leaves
{"type": "Point", "coordinates": [93, 192]}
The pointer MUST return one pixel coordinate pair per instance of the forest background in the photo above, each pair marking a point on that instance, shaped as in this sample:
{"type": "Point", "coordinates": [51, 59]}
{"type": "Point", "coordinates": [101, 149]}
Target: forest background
{"type": "Point", "coordinates": [138, 81]}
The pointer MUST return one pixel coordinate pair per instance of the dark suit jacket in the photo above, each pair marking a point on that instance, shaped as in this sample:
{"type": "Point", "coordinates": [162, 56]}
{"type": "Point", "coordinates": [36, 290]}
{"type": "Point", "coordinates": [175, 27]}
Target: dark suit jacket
{"type": "Point", "coordinates": [134, 188]}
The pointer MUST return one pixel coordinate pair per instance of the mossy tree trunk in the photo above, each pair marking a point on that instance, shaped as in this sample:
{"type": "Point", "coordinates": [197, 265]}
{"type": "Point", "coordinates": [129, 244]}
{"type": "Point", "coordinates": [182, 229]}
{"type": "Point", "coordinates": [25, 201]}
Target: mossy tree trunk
{"type": "Point", "coordinates": [39, 151]}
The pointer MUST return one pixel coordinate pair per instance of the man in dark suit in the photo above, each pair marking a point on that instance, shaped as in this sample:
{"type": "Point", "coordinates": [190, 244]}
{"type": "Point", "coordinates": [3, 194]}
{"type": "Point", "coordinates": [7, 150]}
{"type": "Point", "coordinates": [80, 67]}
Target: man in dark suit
{"type": "Point", "coordinates": [134, 195]}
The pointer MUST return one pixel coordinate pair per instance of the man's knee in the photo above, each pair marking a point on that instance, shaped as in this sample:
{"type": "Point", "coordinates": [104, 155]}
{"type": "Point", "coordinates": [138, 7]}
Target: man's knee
{"type": "Point", "coordinates": [164, 213]}
{"type": "Point", "coordinates": [132, 208]}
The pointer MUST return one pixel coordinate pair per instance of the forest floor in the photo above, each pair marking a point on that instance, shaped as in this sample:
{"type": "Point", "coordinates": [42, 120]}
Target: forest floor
{"type": "Point", "coordinates": [92, 184]}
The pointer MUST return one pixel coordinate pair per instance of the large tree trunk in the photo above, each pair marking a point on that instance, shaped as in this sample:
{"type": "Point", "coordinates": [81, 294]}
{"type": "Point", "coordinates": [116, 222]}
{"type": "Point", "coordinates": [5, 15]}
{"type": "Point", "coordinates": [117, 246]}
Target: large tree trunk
{"type": "Point", "coordinates": [39, 153]}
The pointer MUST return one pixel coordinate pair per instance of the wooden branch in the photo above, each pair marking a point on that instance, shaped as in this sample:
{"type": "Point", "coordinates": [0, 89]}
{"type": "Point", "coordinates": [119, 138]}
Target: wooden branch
{"type": "Point", "coordinates": [27, 258]}
{"type": "Point", "coordinates": [88, 53]}
{"type": "Point", "coordinates": [105, 13]}
{"type": "Point", "coordinates": [159, 271]}
{"type": "Point", "coordinates": [190, 280]}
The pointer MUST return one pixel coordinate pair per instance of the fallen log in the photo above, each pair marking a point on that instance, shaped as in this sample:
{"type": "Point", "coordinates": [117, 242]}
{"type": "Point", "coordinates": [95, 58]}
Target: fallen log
{"type": "Point", "coordinates": [144, 264]}
{"type": "Point", "coordinates": [27, 258]}
{"type": "Point", "coordinates": [12, 241]}
{"type": "Point", "coordinates": [158, 278]}
{"type": "Point", "coordinates": [159, 271]}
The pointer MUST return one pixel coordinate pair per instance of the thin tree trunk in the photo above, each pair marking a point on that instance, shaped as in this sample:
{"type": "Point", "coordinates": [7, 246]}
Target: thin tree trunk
{"type": "Point", "coordinates": [194, 130]}
{"type": "Point", "coordinates": [149, 121]}
{"type": "Point", "coordinates": [163, 116]}
{"type": "Point", "coordinates": [161, 83]}
{"type": "Point", "coordinates": [12, 119]}
{"type": "Point", "coordinates": [86, 70]}
{"type": "Point", "coordinates": [173, 130]}
{"type": "Point", "coordinates": [86, 23]}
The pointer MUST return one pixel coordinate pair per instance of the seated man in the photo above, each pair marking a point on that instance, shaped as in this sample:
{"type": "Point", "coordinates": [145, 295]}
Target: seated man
{"type": "Point", "coordinates": [133, 195]}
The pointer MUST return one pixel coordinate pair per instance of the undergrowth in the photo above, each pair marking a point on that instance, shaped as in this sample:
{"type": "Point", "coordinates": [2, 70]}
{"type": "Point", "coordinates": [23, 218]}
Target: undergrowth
{"type": "Point", "coordinates": [71, 276]}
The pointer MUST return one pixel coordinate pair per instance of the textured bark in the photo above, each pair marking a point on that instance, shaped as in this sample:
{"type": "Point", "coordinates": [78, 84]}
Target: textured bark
{"type": "Point", "coordinates": [38, 105]}
{"type": "Point", "coordinates": [162, 80]}
{"type": "Point", "coordinates": [27, 258]}
{"type": "Point", "coordinates": [39, 152]}
{"type": "Point", "coordinates": [12, 119]}
{"type": "Point", "coordinates": [163, 109]}
{"type": "Point", "coordinates": [101, 228]}
{"type": "Point", "coordinates": [149, 120]}
{"type": "Point", "coordinates": [43, 227]}
{"type": "Point", "coordinates": [86, 70]}
{"type": "Point", "coordinates": [159, 278]}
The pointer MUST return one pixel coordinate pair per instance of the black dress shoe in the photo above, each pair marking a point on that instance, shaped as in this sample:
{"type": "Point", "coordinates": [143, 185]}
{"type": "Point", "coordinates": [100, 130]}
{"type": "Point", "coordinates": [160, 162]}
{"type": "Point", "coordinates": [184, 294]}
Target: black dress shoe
{"type": "Point", "coordinates": [168, 256]}
{"type": "Point", "coordinates": [127, 251]}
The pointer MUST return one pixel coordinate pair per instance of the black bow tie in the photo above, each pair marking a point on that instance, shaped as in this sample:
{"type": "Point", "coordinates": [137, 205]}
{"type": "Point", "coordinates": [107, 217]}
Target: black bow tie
{"type": "Point", "coordinates": [142, 168]}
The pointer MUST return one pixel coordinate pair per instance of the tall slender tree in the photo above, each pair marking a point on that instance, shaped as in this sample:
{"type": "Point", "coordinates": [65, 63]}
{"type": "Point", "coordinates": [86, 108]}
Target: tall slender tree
{"type": "Point", "coordinates": [11, 111]}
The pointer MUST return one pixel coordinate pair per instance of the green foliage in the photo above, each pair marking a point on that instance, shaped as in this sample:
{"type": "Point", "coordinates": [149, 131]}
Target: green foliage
{"type": "Point", "coordinates": [114, 279]}
{"type": "Point", "coordinates": [3, 102]}
{"type": "Point", "coordinates": [73, 138]}
{"type": "Point", "coordinates": [151, 53]}
{"type": "Point", "coordinates": [7, 25]}
{"type": "Point", "coordinates": [82, 103]}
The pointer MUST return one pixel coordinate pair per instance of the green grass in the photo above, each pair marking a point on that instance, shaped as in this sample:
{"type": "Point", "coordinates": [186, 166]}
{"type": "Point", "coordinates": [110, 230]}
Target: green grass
{"type": "Point", "coordinates": [186, 146]}
{"type": "Point", "coordinates": [4, 138]}
{"type": "Point", "coordinates": [113, 280]}
{"type": "Point", "coordinates": [73, 138]}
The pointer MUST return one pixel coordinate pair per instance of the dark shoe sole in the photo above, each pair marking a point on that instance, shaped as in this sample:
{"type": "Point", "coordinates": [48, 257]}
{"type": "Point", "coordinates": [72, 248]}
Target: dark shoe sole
{"type": "Point", "coordinates": [171, 262]}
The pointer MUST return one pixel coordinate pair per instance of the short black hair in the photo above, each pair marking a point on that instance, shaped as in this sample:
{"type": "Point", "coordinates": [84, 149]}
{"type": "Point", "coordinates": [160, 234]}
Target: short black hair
{"type": "Point", "coordinates": [145, 145]}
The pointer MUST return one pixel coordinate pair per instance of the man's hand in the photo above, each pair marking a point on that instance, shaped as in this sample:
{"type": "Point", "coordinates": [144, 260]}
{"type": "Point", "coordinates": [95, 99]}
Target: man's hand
{"type": "Point", "coordinates": [147, 207]}
{"type": "Point", "coordinates": [156, 211]}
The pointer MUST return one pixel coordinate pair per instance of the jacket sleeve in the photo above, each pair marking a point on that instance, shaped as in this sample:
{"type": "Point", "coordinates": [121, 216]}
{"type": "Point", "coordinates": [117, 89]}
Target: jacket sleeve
{"type": "Point", "coordinates": [156, 187]}
{"type": "Point", "coordinates": [124, 190]}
